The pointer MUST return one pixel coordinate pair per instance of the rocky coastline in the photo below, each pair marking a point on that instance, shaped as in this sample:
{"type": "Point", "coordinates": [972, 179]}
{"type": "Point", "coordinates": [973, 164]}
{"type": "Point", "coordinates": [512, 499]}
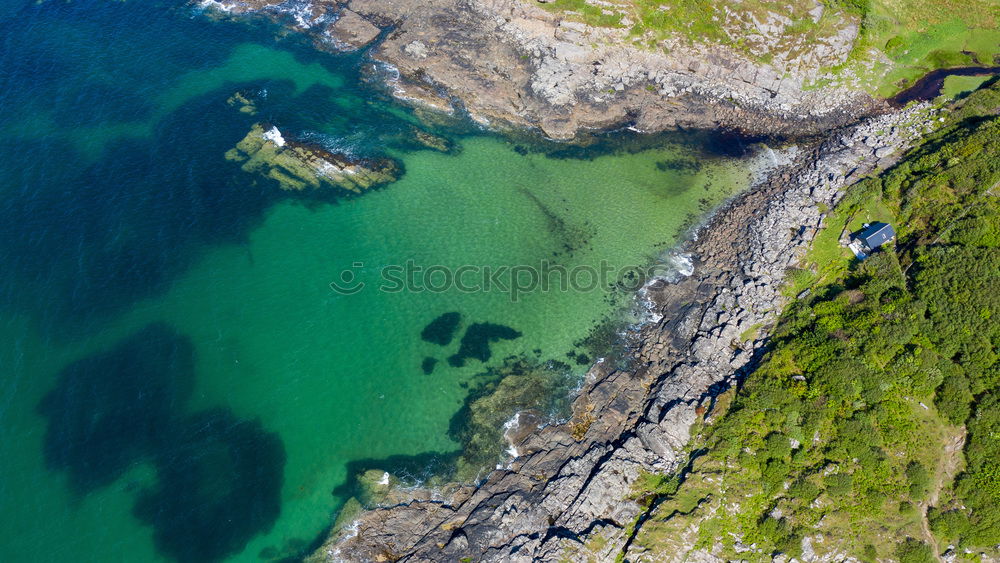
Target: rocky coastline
{"type": "Point", "coordinates": [570, 483]}
{"type": "Point", "coordinates": [510, 65]}
{"type": "Point", "coordinates": [513, 64]}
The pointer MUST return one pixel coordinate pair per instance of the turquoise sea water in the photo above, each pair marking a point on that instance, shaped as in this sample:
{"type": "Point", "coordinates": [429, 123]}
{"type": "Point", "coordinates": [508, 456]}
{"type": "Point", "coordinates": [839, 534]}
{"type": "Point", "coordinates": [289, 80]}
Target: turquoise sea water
{"type": "Point", "coordinates": [179, 379]}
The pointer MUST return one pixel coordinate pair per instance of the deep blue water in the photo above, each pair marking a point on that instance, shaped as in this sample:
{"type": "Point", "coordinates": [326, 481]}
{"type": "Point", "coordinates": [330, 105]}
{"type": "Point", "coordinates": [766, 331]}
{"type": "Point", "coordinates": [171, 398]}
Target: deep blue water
{"type": "Point", "coordinates": [111, 186]}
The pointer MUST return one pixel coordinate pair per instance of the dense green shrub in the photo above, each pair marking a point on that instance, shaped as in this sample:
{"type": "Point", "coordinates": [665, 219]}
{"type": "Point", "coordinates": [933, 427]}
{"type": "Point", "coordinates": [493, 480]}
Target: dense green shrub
{"type": "Point", "coordinates": [920, 480]}
{"type": "Point", "coordinates": [914, 551]}
{"type": "Point", "coordinates": [852, 370]}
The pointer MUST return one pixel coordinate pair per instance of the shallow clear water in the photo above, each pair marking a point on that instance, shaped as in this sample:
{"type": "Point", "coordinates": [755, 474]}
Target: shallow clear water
{"type": "Point", "coordinates": [179, 379]}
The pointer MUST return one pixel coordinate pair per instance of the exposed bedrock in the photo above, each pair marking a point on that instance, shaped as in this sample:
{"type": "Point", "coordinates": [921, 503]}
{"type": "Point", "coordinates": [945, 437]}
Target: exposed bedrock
{"type": "Point", "coordinates": [511, 63]}
{"type": "Point", "coordinates": [571, 482]}
{"type": "Point", "coordinates": [298, 166]}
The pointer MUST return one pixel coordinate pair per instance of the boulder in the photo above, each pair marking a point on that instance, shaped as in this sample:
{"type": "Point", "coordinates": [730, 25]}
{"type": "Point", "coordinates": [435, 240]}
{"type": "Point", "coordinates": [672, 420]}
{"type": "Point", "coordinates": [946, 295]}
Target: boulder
{"type": "Point", "coordinates": [351, 31]}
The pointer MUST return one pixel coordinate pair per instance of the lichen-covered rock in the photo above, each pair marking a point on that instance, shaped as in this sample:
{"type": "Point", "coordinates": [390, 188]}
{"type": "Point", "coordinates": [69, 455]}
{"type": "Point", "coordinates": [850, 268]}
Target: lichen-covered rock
{"type": "Point", "coordinates": [300, 166]}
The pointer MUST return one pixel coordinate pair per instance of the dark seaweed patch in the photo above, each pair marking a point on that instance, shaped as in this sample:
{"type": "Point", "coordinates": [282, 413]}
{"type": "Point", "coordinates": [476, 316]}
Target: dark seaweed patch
{"type": "Point", "coordinates": [476, 342]}
{"type": "Point", "coordinates": [293, 550]}
{"type": "Point", "coordinates": [609, 339]}
{"type": "Point", "coordinates": [569, 237]}
{"type": "Point", "coordinates": [678, 165]}
{"type": "Point", "coordinates": [580, 358]}
{"type": "Point", "coordinates": [219, 478]}
{"type": "Point", "coordinates": [219, 485]}
{"type": "Point", "coordinates": [115, 407]}
{"type": "Point", "coordinates": [428, 365]}
{"type": "Point", "coordinates": [441, 330]}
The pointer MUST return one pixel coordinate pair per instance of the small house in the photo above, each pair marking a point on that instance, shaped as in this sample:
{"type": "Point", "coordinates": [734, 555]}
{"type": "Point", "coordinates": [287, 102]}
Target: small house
{"type": "Point", "coordinates": [875, 235]}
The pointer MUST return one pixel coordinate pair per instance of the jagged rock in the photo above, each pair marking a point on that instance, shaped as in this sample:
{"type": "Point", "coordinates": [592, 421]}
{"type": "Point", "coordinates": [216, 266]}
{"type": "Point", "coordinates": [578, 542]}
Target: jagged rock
{"type": "Point", "coordinates": [523, 424]}
{"type": "Point", "coordinates": [299, 166]}
{"type": "Point", "coordinates": [376, 486]}
{"type": "Point", "coordinates": [883, 152]}
{"type": "Point", "coordinates": [351, 31]}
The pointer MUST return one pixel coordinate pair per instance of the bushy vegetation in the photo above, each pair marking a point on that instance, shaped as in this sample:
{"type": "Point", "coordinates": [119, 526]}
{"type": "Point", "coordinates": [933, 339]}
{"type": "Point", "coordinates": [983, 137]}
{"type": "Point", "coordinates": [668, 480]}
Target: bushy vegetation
{"type": "Point", "coordinates": [843, 429]}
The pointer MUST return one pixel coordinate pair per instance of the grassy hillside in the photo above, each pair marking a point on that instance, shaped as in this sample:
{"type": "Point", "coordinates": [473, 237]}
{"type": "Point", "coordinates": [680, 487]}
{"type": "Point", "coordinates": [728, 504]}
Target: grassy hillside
{"type": "Point", "coordinates": [871, 426]}
{"type": "Point", "coordinates": [896, 42]}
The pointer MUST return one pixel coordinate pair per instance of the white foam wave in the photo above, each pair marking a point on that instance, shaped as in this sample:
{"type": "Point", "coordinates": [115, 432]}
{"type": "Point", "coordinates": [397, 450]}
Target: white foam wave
{"type": "Point", "coordinates": [514, 422]}
{"type": "Point", "coordinates": [346, 145]}
{"type": "Point", "coordinates": [684, 263]}
{"type": "Point", "coordinates": [274, 136]}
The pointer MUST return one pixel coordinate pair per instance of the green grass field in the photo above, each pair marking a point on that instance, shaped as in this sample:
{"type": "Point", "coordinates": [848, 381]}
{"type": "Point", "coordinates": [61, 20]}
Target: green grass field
{"type": "Point", "coordinates": [898, 40]}
{"type": "Point", "coordinates": [955, 86]}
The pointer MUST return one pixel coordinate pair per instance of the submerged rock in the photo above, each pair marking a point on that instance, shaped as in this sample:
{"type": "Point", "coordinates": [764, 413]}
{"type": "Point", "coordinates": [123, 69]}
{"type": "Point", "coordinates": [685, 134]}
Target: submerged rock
{"type": "Point", "coordinates": [509, 402]}
{"type": "Point", "coordinates": [352, 509]}
{"type": "Point", "coordinates": [375, 487]}
{"type": "Point", "coordinates": [298, 166]}
{"type": "Point", "coordinates": [243, 103]}
{"type": "Point", "coordinates": [432, 141]}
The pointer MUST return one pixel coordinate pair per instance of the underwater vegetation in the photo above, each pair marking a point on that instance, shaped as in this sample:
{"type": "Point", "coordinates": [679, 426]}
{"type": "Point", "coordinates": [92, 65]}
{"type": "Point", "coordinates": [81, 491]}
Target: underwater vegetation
{"type": "Point", "coordinates": [219, 485]}
{"type": "Point", "coordinates": [113, 408]}
{"type": "Point", "coordinates": [218, 477]}
{"type": "Point", "coordinates": [476, 342]}
{"type": "Point", "coordinates": [518, 384]}
{"type": "Point", "coordinates": [441, 330]}
{"type": "Point", "coordinates": [428, 365]}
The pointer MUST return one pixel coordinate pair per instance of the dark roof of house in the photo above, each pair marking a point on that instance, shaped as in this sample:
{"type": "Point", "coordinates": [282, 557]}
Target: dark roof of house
{"type": "Point", "coordinates": [877, 234]}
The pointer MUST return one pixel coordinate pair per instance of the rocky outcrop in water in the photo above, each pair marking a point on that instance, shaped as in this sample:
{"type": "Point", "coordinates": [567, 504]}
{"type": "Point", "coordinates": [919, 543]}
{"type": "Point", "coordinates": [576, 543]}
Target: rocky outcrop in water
{"type": "Point", "coordinates": [570, 483]}
{"type": "Point", "coordinates": [513, 63]}
{"type": "Point", "coordinates": [298, 166]}
{"type": "Point", "coordinates": [243, 103]}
